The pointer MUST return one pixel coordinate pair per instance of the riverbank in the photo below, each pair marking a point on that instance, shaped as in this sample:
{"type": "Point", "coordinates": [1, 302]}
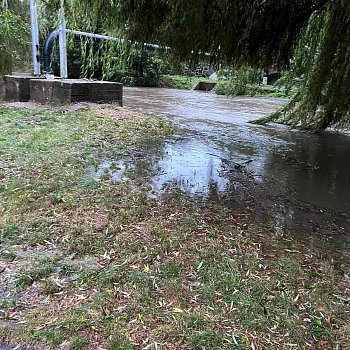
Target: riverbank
{"type": "Point", "coordinates": [91, 258]}
{"type": "Point", "coordinates": [182, 82]}
{"type": "Point", "coordinates": [222, 87]}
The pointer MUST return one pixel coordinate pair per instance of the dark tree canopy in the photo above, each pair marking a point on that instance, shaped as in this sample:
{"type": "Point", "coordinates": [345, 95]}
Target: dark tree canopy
{"type": "Point", "coordinates": [260, 31]}
{"type": "Point", "coordinates": [256, 32]}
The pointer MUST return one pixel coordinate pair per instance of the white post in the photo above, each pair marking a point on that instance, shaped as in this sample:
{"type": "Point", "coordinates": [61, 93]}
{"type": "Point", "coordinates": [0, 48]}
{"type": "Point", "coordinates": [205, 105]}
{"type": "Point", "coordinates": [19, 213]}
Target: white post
{"type": "Point", "coordinates": [62, 44]}
{"type": "Point", "coordinates": [35, 37]}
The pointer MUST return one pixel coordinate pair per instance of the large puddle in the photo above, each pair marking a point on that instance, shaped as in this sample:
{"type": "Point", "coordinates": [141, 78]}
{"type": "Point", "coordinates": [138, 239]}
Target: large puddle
{"type": "Point", "coordinates": [306, 176]}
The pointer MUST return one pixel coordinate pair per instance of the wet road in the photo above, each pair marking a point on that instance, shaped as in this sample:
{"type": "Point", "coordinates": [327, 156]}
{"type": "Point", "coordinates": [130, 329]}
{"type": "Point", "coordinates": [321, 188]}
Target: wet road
{"type": "Point", "coordinates": [220, 143]}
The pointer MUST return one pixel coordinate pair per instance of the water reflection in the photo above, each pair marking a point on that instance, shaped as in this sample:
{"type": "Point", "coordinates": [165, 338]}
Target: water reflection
{"type": "Point", "coordinates": [314, 167]}
{"type": "Point", "coordinates": [304, 175]}
{"type": "Point", "coordinates": [190, 165]}
{"type": "Point", "coordinates": [113, 170]}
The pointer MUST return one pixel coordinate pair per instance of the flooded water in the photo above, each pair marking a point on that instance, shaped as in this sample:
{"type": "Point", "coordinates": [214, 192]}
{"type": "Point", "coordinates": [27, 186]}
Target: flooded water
{"type": "Point", "coordinates": [303, 175]}
{"type": "Point", "coordinates": [114, 170]}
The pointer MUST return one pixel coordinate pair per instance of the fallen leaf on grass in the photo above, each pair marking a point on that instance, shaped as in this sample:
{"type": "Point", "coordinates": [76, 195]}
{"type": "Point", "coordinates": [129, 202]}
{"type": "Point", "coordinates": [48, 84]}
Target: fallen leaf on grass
{"type": "Point", "coordinates": [177, 310]}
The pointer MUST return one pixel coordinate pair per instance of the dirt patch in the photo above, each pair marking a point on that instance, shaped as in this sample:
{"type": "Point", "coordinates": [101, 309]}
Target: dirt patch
{"type": "Point", "coordinates": [36, 105]}
{"type": "Point", "coordinates": [96, 217]}
{"type": "Point", "coordinates": [109, 110]}
{"type": "Point", "coordinates": [116, 112]}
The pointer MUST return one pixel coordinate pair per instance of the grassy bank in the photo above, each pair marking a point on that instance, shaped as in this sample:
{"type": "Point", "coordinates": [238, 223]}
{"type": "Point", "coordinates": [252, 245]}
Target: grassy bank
{"type": "Point", "coordinates": [90, 263]}
{"type": "Point", "coordinates": [182, 82]}
{"type": "Point", "coordinates": [223, 87]}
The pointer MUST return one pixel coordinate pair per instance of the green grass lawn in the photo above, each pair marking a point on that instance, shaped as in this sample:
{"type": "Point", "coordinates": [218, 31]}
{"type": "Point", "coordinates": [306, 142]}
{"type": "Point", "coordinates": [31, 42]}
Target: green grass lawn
{"type": "Point", "coordinates": [90, 263]}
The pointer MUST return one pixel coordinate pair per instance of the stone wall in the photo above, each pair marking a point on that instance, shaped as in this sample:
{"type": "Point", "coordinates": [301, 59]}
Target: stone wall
{"type": "Point", "coordinates": [17, 87]}
{"type": "Point", "coordinates": [204, 86]}
{"type": "Point", "coordinates": [75, 90]}
{"type": "Point", "coordinates": [25, 87]}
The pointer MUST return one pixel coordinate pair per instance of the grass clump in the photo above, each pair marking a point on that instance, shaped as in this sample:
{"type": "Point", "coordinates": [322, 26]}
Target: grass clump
{"type": "Point", "coordinates": [78, 344]}
{"type": "Point", "coordinates": [53, 338]}
{"type": "Point", "coordinates": [182, 82]}
{"type": "Point", "coordinates": [120, 343]}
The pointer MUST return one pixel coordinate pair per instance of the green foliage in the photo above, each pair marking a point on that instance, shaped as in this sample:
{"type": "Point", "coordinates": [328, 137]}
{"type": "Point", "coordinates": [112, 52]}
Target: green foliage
{"type": "Point", "coordinates": [320, 73]}
{"type": "Point", "coordinates": [114, 61]}
{"type": "Point", "coordinates": [239, 81]}
{"type": "Point", "coordinates": [208, 340]}
{"type": "Point", "coordinates": [13, 37]}
{"type": "Point", "coordinates": [79, 343]}
{"type": "Point", "coordinates": [182, 82]}
{"type": "Point", "coordinates": [141, 67]}
{"type": "Point", "coordinates": [261, 31]}
{"type": "Point", "coordinates": [120, 343]}
{"type": "Point", "coordinates": [53, 338]}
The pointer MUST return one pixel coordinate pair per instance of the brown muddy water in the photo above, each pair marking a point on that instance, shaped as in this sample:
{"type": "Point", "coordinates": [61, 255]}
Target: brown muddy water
{"type": "Point", "coordinates": [297, 182]}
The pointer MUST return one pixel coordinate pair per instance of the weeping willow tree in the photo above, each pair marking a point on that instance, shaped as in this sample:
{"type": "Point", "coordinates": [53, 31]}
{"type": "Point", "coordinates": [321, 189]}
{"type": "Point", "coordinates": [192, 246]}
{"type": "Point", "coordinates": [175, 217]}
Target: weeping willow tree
{"type": "Point", "coordinates": [14, 35]}
{"type": "Point", "coordinates": [122, 60]}
{"type": "Point", "coordinates": [321, 63]}
{"type": "Point", "coordinates": [259, 33]}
